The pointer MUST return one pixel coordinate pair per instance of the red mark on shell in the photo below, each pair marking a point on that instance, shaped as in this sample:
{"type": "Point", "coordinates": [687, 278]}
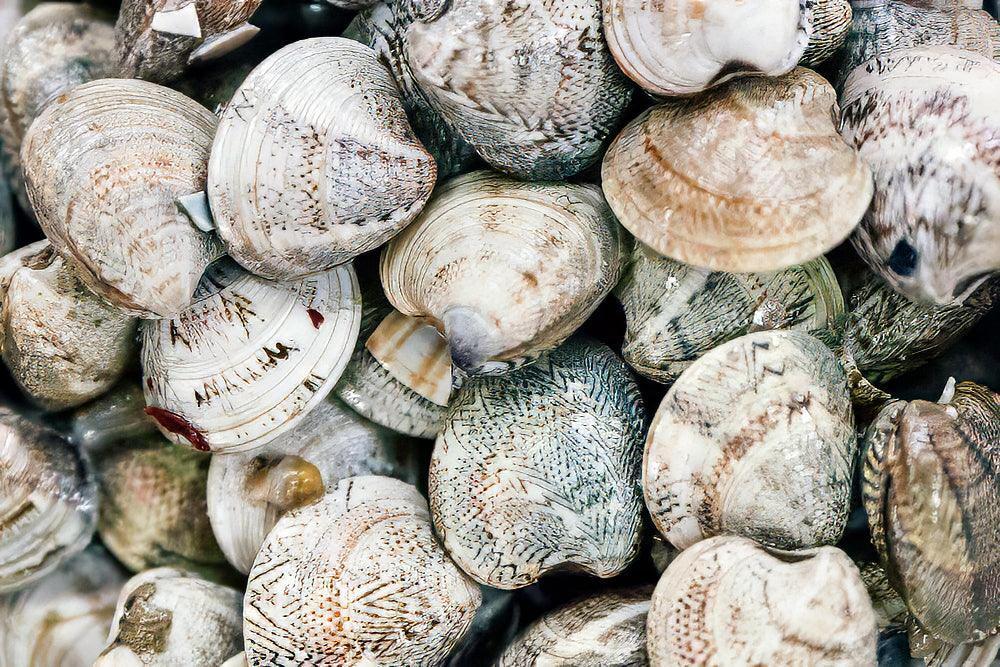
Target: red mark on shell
{"type": "Point", "coordinates": [149, 383]}
{"type": "Point", "coordinates": [316, 317]}
{"type": "Point", "coordinates": [174, 423]}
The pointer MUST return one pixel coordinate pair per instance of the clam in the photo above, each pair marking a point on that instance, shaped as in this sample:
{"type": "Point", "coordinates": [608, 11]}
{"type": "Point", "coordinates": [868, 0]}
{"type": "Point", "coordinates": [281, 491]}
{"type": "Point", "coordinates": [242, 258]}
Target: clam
{"type": "Point", "coordinates": [250, 358]}
{"type": "Point", "coordinates": [116, 416]}
{"type": "Point", "coordinates": [104, 163]}
{"type": "Point", "coordinates": [62, 344]}
{"type": "Point", "coordinates": [304, 177]}
{"type": "Point", "coordinates": [504, 269]}
{"type": "Point", "coordinates": [538, 469]}
{"type": "Point", "coordinates": [750, 176]}
{"type": "Point", "coordinates": [8, 227]}
{"type": "Point", "coordinates": [674, 313]}
{"type": "Point", "coordinates": [756, 438]}
{"type": "Point", "coordinates": [730, 601]}
{"type": "Point", "coordinates": [168, 617]}
{"type": "Point", "coordinates": [356, 577]}
{"type": "Point", "coordinates": [926, 121]}
{"type": "Point", "coordinates": [531, 85]}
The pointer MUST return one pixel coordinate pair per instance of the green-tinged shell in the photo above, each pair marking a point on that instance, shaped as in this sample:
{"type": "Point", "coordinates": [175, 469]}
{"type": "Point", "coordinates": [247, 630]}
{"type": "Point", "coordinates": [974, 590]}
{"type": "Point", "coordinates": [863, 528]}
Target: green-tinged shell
{"type": "Point", "coordinates": [118, 415]}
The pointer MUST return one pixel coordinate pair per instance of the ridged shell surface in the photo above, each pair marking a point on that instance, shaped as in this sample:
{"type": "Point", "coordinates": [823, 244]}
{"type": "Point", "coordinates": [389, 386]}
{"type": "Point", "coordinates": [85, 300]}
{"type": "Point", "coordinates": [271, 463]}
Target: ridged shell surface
{"type": "Point", "coordinates": [830, 23]}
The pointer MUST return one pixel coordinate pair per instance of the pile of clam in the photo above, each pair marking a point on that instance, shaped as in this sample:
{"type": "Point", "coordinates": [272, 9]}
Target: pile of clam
{"type": "Point", "coordinates": [513, 332]}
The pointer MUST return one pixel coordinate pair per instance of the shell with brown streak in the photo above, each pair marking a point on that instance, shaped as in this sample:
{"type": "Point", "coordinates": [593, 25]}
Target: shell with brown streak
{"type": "Point", "coordinates": [750, 176]}
{"type": "Point", "coordinates": [104, 164]}
{"type": "Point", "coordinates": [926, 121]}
{"type": "Point", "coordinates": [730, 601]}
{"type": "Point", "coordinates": [357, 575]}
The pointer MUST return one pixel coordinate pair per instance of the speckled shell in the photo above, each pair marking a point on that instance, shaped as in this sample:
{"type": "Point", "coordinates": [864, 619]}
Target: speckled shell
{"type": "Point", "coordinates": [248, 492]}
{"type": "Point", "coordinates": [304, 177]}
{"type": "Point", "coordinates": [250, 358]}
{"type": "Point", "coordinates": [505, 269]}
{"type": "Point", "coordinates": [531, 85]}
{"type": "Point", "coordinates": [62, 345]}
{"type": "Point", "coordinates": [356, 577]}
{"type": "Point", "coordinates": [104, 164]}
{"type": "Point", "coordinates": [172, 618]}
{"type": "Point", "coordinates": [926, 121]}
{"type": "Point", "coordinates": [61, 620]}
{"type": "Point", "coordinates": [756, 438]}
{"type": "Point", "coordinates": [604, 630]}
{"type": "Point", "coordinates": [538, 470]}
{"type": "Point", "coordinates": [750, 176]}
{"type": "Point", "coordinates": [674, 313]}
{"type": "Point", "coordinates": [933, 500]}
{"type": "Point", "coordinates": [730, 601]}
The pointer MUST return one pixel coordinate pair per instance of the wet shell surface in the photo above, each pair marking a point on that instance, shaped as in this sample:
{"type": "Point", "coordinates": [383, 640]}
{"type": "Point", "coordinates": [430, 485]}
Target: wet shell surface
{"type": "Point", "coordinates": [116, 416]}
{"type": "Point", "coordinates": [104, 164]}
{"type": "Point", "coordinates": [356, 576]}
{"type": "Point", "coordinates": [537, 470]}
{"type": "Point", "coordinates": [304, 177]}
{"type": "Point", "coordinates": [505, 269]}
{"type": "Point", "coordinates": [750, 176]}
{"type": "Point", "coordinates": [250, 358]}
{"type": "Point", "coordinates": [730, 601]}
{"type": "Point", "coordinates": [756, 438]}
{"type": "Point", "coordinates": [531, 85]}
{"type": "Point", "coordinates": [926, 121]}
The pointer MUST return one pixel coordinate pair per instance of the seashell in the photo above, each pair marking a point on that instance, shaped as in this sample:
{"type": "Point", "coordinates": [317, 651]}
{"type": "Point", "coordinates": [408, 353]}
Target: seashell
{"type": "Point", "coordinates": [248, 492]}
{"type": "Point", "coordinates": [8, 229]}
{"type": "Point", "coordinates": [169, 617]}
{"type": "Point", "coordinates": [238, 660]}
{"type": "Point", "coordinates": [531, 85]}
{"type": "Point", "coordinates": [62, 345]}
{"type": "Point", "coordinates": [214, 84]}
{"type": "Point", "coordinates": [356, 576]}
{"type": "Point", "coordinates": [537, 470]}
{"type": "Point", "coordinates": [61, 620]}
{"type": "Point", "coordinates": [48, 504]}
{"type": "Point", "coordinates": [750, 176]}
{"type": "Point", "coordinates": [674, 313]}
{"type": "Point", "coordinates": [250, 358]}
{"type": "Point", "coordinates": [831, 23]}
{"type": "Point", "coordinates": [504, 269]}
{"type": "Point", "coordinates": [604, 630]}
{"type": "Point", "coordinates": [756, 438]}
{"type": "Point", "coordinates": [730, 601]}
{"type": "Point", "coordinates": [158, 39]}
{"type": "Point", "coordinates": [331, 172]}
{"type": "Point", "coordinates": [116, 416]}
{"type": "Point", "coordinates": [890, 609]}
{"type": "Point", "coordinates": [926, 121]}
{"type": "Point", "coordinates": [493, 628]}
{"type": "Point", "coordinates": [104, 164]}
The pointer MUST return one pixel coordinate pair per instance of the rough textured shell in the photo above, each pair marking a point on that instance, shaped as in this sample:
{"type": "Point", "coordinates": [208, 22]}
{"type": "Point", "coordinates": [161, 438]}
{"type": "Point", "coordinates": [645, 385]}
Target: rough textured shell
{"type": "Point", "coordinates": [750, 176]}
{"type": "Point", "coordinates": [250, 358]}
{"type": "Point", "coordinates": [304, 177]}
{"type": "Point", "coordinates": [756, 438]}
{"type": "Point", "coordinates": [729, 601]}
{"type": "Point", "coordinates": [537, 470]}
{"type": "Point", "coordinates": [356, 575]}
{"type": "Point", "coordinates": [104, 164]}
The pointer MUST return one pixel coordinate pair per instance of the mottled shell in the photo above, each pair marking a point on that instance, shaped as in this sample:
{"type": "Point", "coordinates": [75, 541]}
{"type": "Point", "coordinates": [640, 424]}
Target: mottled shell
{"type": "Point", "coordinates": [933, 501]}
{"type": "Point", "coordinates": [104, 164]}
{"type": "Point", "coordinates": [62, 344]}
{"type": "Point", "coordinates": [250, 358]}
{"type": "Point", "coordinates": [750, 176]}
{"type": "Point", "coordinates": [674, 313]}
{"type": "Point", "coordinates": [926, 121]}
{"type": "Point", "coordinates": [172, 618]}
{"type": "Point", "coordinates": [304, 177]}
{"type": "Point", "coordinates": [356, 576]}
{"type": "Point", "coordinates": [604, 630]}
{"type": "Point", "coordinates": [248, 492]}
{"type": "Point", "coordinates": [530, 84]}
{"type": "Point", "coordinates": [730, 601]}
{"type": "Point", "coordinates": [538, 469]}
{"type": "Point", "coordinates": [756, 438]}
{"type": "Point", "coordinates": [505, 269]}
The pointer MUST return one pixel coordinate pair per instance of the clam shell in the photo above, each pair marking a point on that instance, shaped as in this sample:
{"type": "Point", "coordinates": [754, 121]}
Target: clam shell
{"type": "Point", "coordinates": [304, 177]}
{"type": "Point", "coordinates": [537, 470]}
{"type": "Point", "coordinates": [493, 627]}
{"type": "Point", "coordinates": [8, 229]}
{"type": "Point", "coordinates": [830, 21]}
{"type": "Point", "coordinates": [750, 176]}
{"type": "Point", "coordinates": [415, 354]}
{"type": "Point", "coordinates": [505, 269]}
{"type": "Point", "coordinates": [357, 575]}
{"type": "Point", "coordinates": [104, 164]}
{"type": "Point", "coordinates": [116, 416]}
{"type": "Point", "coordinates": [756, 438]}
